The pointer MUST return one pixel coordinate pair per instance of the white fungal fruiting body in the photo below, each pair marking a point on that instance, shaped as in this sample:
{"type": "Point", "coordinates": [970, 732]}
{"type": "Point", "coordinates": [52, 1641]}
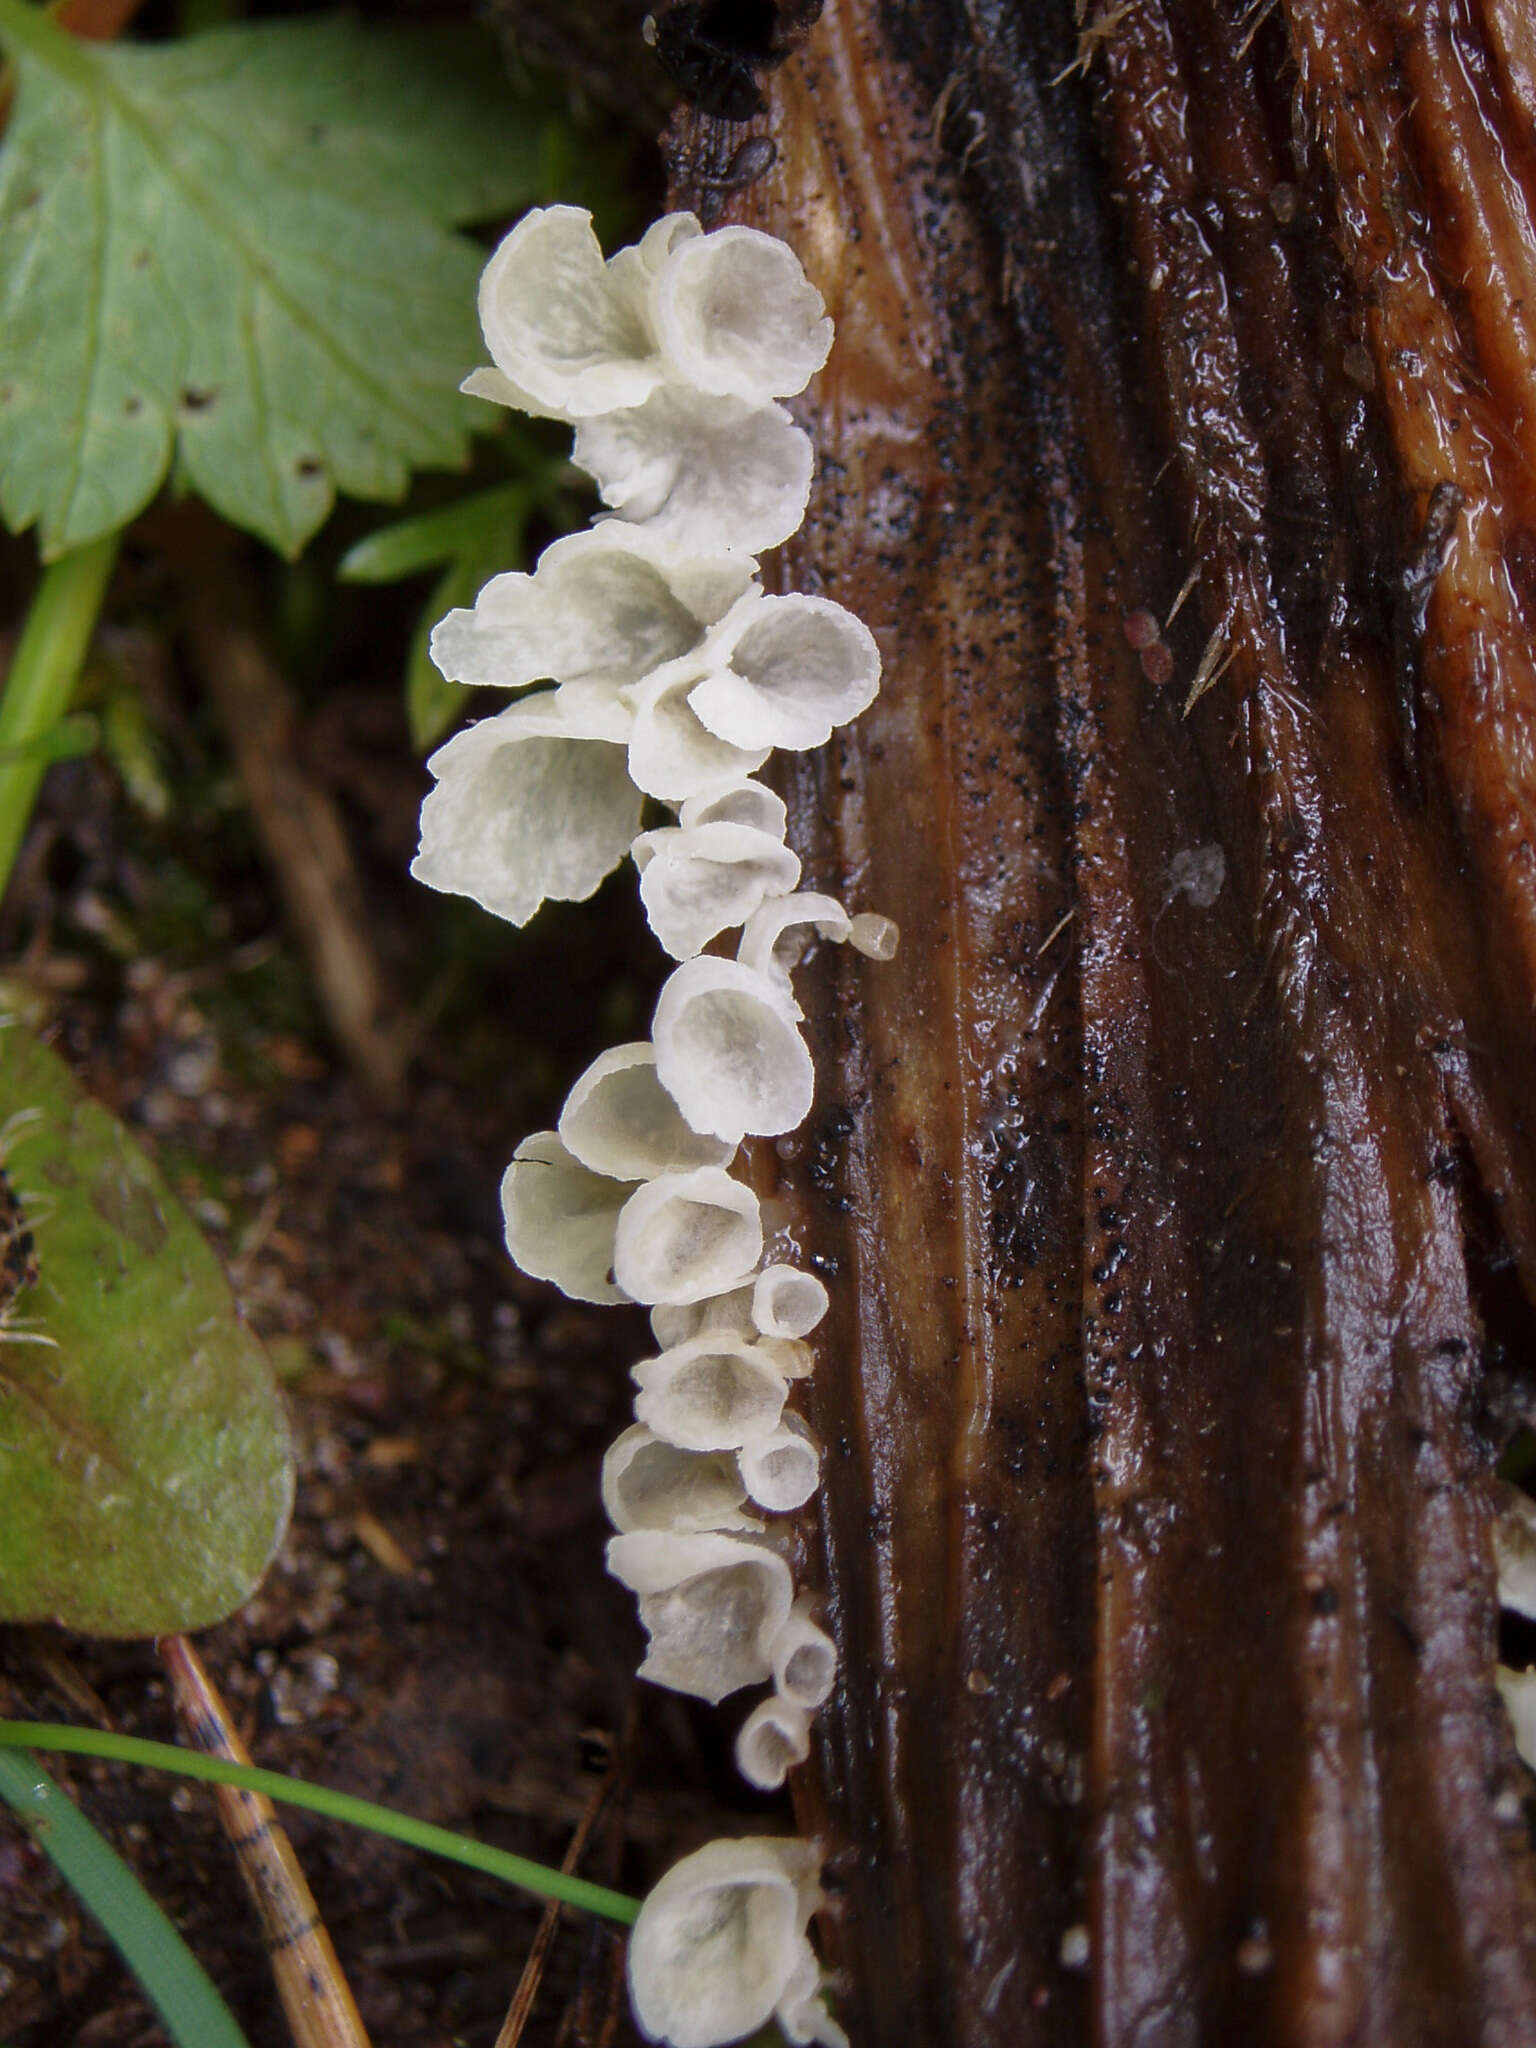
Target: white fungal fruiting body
{"type": "Point", "coordinates": [651, 1484]}
{"type": "Point", "coordinates": [604, 607]}
{"type": "Point", "coordinates": [697, 881]}
{"type": "Point", "coordinates": [663, 671]}
{"type": "Point", "coordinates": [729, 1050]}
{"type": "Point", "coordinates": [712, 1605]}
{"type": "Point", "coordinates": [561, 1219]}
{"type": "Point", "coordinates": [713, 1393]}
{"type": "Point", "coordinates": [782, 1469]}
{"type": "Point", "coordinates": [684, 1236]}
{"type": "Point", "coordinates": [619, 1120]}
{"type": "Point", "coordinates": [720, 1947]}
{"type": "Point", "coordinates": [536, 802]}
{"type": "Point", "coordinates": [775, 1736]}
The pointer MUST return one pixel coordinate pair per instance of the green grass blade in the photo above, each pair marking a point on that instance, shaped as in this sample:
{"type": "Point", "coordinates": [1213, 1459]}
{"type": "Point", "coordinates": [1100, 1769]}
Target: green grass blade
{"type": "Point", "coordinates": [363, 1813]}
{"type": "Point", "coordinates": [171, 1976]}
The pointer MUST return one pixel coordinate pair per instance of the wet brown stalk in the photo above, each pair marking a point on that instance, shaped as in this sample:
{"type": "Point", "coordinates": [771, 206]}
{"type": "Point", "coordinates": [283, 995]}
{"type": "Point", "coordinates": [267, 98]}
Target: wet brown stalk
{"type": "Point", "coordinates": [1182, 1248]}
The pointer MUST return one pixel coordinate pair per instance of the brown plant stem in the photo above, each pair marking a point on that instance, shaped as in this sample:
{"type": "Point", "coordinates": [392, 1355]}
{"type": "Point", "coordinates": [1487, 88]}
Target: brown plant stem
{"type": "Point", "coordinates": [1169, 1259]}
{"type": "Point", "coordinates": [298, 825]}
{"type": "Point", "coordinates": [317, 2001]}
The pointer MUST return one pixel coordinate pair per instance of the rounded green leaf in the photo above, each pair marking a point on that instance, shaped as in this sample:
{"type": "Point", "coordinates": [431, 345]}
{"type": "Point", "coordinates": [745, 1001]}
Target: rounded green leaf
{"type": "Point", "coordinates": [146, 1471]}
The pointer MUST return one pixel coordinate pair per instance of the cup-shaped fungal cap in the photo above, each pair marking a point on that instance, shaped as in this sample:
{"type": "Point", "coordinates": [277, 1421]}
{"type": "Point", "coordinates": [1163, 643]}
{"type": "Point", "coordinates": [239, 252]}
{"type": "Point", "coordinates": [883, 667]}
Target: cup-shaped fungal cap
{"type": "Point", "coordinates": [875, 936]}
{"type": "Point", "coordinates": [737, 314]}
{"type": "Point", "coordinates": [1517, 1689]}
{"type": "Point", "coordinates": [1514, 1550]}
{"type": "Point", "coordinates": [804, 1660]}
{"type": "Point", "coordinates": [721, 1941]}
{"type": "Point", "coordinates": [565, 328]}
{"type": "Point", "coordinates": [699, 880]}
{"type": "Point", "coordinates": [778, 933]}
{"type": "Point", "coordinates": [607, 605]}
{"type": "Point", "coordinates": [711, 1605]}
{"type": "Point", "coordinates": [560, 1219]}
{"type": "Point", "coordinates": [729, 1050]}
{"type": "Point", "coordinates": [729, 1314]}
{"type": "Point", "coordinates": [671, 754]}
{"type": "Point", "coordinates": [687, 1235]}
{"type": "Point", "coordinates": [535, 802]}
{"type": "Point", "coordinates": [787, 1302]}
{"type": "Point", "coordinates": [707, 473]}
{"type": "Point", "coordinates": [783, 1469]}
{"type": "Point", "coordinates": [650, 1484]}
{"type": "Point", "coordinates": [775, 1736]}
{"type": "Point", "coordinates": [798, 666]}
{"type": "Point", "coordinates": [802, 2012]}
{"type": "Point", "coordinates": [794, 1359]}
{"type": "Point", "coordinates": [744, 803]}
{"type": "Point", "coordinates": [713, 1393]}
{"type": "Point", "coordinates": [619, 1120]}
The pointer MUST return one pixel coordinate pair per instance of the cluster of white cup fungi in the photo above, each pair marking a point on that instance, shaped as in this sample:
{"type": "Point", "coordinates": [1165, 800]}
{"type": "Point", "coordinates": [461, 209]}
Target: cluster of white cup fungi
{"type": "Point", "coordinates": [672, 675]}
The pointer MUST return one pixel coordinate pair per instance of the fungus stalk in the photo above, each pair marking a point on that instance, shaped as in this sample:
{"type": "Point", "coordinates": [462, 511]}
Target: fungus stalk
{"type": "Point", "coordinates": [654, 665]}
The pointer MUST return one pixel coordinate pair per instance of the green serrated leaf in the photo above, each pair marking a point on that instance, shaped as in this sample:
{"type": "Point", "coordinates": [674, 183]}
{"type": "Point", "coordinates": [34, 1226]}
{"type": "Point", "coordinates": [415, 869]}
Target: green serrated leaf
{"type": "Point", "coordinates": [233, 253]}
{"type": "Point", "coordinates": [145, 1463]}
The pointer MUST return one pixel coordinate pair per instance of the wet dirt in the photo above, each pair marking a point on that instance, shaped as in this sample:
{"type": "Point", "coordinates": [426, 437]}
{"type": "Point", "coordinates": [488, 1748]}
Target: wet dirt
{"type": "Point", "coordinates": [437, 1631]}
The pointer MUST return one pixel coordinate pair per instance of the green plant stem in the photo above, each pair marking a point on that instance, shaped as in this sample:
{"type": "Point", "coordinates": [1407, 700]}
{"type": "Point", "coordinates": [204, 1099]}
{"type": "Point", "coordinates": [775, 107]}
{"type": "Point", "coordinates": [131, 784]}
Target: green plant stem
{"type": "Point", "coordinates": [44, 670]}
{"type": "Point", "coordinates": [27, 27]}
{"type": "Point", "coordinates": [194, 2014]}
{"type": "Point", "coordinates": [362, 1813]}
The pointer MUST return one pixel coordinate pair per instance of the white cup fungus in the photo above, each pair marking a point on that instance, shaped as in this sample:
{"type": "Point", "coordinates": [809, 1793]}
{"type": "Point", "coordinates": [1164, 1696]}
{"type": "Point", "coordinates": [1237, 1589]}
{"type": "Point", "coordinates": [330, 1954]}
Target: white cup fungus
{"type": "Point", "coordinates": [533, 803]}
{"type": "Point", "coordinates": [672, 754]}
{"type": "Point", "coordinates": [701, 471]}
{"type": "Point", "coordinates": [651, 1484]}
{"type": "Point", "coordinates": [804, 1659]}
{"type": "Point", "coordinates": [619, 1120]}
{"type": "Point", "coordinates": [775, 1736]}
{"type": "Point", "coordinates": [570, 332]}
{"type": "Point", "coordinates": [737, 315]}
{"type": "Point", "coordinates": [605, 606]}
{"type": "Point", "coordinates": [787, 1302]}
{"type": "Point", "coordinates": [683, 1236]}
{"type": "Point", "coordinates": [712, 1606]}
{"type": "Point", "coordinates": [729, 1050]}
{"type": "Point", "coordinates": [675, 1322]}
{"type": "Point", "coordinates": [797, 667]}
{"type": "Point", "coordinates": [561, 1219]}
{"type": "Point", "coordinates": [782, 1469]}
{"type": "Point", "coordinates": [741, 803]}
{"type": "Point", "coordinates": [714, 1392]}
{"type": "Point", "coordinates": [778, 932]}
{"type": "Point", "coordinates": [720, 1946]}
{"type": "Point", "coordinates": [697, 881]}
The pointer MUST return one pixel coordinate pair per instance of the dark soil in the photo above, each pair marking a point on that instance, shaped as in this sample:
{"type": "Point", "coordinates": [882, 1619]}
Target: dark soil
{"type": "Point", "coordinates": [437, 1631]}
